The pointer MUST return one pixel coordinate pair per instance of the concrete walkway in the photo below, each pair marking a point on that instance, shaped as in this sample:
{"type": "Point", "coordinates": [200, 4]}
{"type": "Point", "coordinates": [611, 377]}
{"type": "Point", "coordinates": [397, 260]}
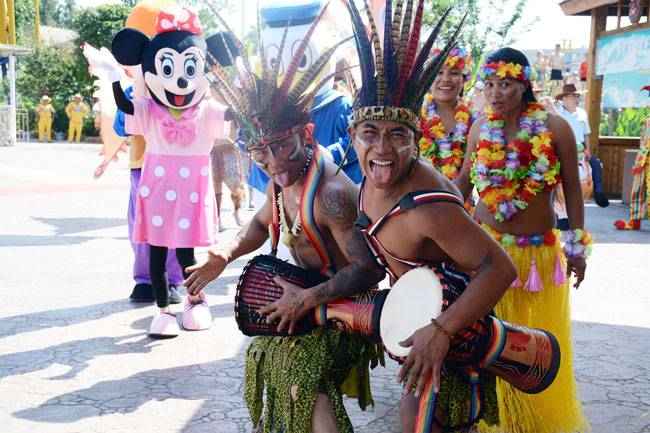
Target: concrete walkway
{"type": "Point", "coordinates": [75, 357]}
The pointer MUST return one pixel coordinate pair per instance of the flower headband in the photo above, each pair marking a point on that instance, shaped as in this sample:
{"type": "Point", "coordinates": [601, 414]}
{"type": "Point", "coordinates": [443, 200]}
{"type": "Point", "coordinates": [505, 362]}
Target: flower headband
{"type": "Point", "coordinates": [457, 57]}
{"type": "Point", "coordinates": [507, 70]}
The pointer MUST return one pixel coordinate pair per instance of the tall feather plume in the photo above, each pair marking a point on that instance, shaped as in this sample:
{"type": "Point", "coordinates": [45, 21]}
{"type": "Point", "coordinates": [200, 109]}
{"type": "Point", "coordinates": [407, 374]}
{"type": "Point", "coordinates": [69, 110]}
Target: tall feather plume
{"type": "Point", "coordinates": [379, 64]}
{"type": "Point", "coordinates": [424, 52]}
{"type": "Point", "coordinates": [388, 44]}
{"type": "Point", "coordinates": [366, 59]}
{"type": "Point", "coordinates": [307, 98]}
{"type": "Point", "coordinates": [250, 86]}
{"type": "Point", "coordinates": [397, 21]}
{"type": "Point", "coordinates": [297, 57]}
{"type": "Point", "coordinates": [410, 55]}
{"type": "Point", "coordinates": [310, 76]}
{"type": "Point", "coordinates": [394, 33]}
{"type": "Point", "coordinates": [261, 51]}
{"type": "Point", "coordinates": [404, 35]}
{"type": "Point", "coordinates": [429, 75]}
{"type": "Point", "coordinates": [272, 79]}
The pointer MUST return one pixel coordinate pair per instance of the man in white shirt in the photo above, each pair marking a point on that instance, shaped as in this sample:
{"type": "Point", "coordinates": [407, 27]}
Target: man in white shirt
{"type": "Point", "coordinates": [577, 118]}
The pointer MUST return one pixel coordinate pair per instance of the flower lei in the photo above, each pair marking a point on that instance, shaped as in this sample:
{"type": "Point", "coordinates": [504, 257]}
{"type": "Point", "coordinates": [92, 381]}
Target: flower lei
{"type": "Point", "coordinates": [507, 70]}
{"type": "Point", "coordinates": [579, 244]}
{"type": "Point", "coordinates": [445, 151]}
{"type": "Point", "coordinates": [509, 176]}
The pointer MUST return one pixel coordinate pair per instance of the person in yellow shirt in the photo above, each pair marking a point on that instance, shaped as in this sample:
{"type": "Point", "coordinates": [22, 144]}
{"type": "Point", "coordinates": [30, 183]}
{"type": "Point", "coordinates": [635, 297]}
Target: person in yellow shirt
{"type": "Point", "coordinates": [76, 111]}
{"type": "Point", "coordinates": [45, 114]}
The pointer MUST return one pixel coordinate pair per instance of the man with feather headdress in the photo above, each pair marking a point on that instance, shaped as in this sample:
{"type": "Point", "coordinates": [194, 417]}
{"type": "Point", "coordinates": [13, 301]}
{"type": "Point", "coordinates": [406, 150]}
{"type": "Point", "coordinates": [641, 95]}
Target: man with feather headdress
{"type": "Point", "coordinates": [412, 215]}
{"type": "Point", "coordinates": [314, 212]}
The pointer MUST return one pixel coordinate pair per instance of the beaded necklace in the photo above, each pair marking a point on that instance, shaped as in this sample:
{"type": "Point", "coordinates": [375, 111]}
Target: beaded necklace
{"type": "Point", "coordinates": [445, 151]}
{"type": "Point", "coordinates": [291, 234]}
{"type": "Point", "coordinates": [509, 176]}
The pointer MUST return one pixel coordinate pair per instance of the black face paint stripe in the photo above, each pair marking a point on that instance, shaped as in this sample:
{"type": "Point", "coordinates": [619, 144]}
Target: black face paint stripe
{"type": "Point", "coordinates": [297, 153]}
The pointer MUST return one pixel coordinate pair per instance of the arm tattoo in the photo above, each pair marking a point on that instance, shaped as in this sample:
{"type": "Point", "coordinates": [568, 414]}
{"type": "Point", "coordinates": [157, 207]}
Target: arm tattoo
{"type": "Point", "coordinates": [340, 208]}
{"type": "Point", "coordinates": [356, 277]}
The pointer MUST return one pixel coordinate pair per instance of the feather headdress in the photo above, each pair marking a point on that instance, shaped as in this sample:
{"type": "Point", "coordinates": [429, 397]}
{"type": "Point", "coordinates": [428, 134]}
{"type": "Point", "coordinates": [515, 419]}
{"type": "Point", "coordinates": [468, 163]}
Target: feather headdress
{"type": "Point", "coordinates": [265, 111]}
{"type": "Point", "coordinates": [395, 77]}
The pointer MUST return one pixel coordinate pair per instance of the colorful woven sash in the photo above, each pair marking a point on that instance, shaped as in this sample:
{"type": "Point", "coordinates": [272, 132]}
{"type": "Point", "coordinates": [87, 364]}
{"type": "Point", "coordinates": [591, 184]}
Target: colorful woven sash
{"type": "Point", "coordinates": [307, 199]}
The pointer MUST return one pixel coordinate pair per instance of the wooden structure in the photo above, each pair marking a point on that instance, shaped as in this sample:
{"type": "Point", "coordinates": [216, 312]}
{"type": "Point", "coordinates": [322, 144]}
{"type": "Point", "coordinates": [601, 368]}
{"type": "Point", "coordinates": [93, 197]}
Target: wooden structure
{"type": "Point", "coordinates": [610, 150]}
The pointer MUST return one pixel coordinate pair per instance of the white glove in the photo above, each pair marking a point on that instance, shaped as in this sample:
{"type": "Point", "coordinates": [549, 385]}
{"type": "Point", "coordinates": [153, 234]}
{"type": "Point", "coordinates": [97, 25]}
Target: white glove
{"type": "Point", "coordinates": [104, 59]}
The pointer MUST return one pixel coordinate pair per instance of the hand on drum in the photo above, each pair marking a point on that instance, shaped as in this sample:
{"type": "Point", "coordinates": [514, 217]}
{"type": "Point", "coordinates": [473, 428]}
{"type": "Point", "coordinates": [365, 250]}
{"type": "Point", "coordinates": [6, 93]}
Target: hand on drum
{"type": "Point", "coordinates": [578, 267]}
{"type": "Point", "coordinates": [428, 349]}
{"type": "Point", "coordinates": [289, 308]}
{"type": "Point", "coordinates": [204, 272]}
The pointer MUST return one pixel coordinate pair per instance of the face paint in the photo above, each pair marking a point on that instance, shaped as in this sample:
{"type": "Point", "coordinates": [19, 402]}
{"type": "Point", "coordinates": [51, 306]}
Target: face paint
{"type": "Point", "coordinates": [404, 149]}
{"type": "Point", "coordinates": [297, 154]}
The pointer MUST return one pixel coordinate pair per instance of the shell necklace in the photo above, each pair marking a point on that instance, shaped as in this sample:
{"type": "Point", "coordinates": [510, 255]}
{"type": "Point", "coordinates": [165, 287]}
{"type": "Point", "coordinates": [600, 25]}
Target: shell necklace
{"type": "Point", "coordinates": [290, 236]}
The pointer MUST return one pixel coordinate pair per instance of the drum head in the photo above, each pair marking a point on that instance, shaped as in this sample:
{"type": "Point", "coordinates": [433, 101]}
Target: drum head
{"type": "Point", "coordinates": [411, 303]}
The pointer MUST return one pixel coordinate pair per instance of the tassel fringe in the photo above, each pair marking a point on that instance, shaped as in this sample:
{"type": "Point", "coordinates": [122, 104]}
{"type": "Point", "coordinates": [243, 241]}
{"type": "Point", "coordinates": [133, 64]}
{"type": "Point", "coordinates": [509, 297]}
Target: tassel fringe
{"type": "Point", "coordinates": [557, 409]}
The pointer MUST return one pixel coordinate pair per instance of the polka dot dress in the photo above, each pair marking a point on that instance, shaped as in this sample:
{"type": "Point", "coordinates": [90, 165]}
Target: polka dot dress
{"type": "Point", "coordinates": [176, 205]}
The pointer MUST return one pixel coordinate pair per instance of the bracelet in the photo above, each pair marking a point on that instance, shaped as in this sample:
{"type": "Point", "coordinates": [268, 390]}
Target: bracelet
{"type": "Point", "coordinates": [441, 329]}
{"type": "Point", "coordinates": [579, 244]}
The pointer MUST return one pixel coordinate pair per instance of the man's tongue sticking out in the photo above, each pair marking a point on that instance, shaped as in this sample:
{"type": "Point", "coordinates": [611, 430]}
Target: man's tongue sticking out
{"type": "Point", "coordinates": [380, 171]}
{"type": "Point", "coordinates": [282, 178]}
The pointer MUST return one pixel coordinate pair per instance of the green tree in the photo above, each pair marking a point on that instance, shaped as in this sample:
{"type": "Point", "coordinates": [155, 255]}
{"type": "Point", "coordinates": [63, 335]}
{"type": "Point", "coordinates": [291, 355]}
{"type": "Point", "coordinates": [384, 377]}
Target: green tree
{"type": "Point", "coordinates": [488, 25]}
{"type": "Point", "coordinates": [46, 72]}
{"type": "Point", "coordinates": [49, 12]}
{"type": "Point", "coordinates": [96, 26]}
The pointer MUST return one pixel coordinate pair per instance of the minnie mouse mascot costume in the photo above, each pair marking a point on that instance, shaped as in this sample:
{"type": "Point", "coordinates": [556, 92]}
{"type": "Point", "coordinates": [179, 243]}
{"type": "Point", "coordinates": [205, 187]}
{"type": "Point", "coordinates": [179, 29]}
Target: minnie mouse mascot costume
{"type": "Point", "coordinates": [176, 203]}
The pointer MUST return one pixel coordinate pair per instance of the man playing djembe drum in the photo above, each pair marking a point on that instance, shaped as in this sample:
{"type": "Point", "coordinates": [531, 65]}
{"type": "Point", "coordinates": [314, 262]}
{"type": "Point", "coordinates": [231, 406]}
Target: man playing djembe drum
{"type": "Point", "coordinates": [411, 214]}
{"type": "Point", "coordinates": [305, 376]}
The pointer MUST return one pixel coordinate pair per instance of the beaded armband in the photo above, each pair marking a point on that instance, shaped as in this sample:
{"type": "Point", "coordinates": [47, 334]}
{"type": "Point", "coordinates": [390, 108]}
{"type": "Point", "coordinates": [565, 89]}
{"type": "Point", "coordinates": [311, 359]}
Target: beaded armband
{"type": "Point", "coordinates": [579, 244]}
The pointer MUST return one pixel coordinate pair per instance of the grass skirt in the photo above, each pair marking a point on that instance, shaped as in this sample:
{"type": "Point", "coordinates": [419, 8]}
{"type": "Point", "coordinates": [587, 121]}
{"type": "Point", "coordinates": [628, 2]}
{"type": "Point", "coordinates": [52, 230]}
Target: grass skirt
{"type": "Point", "coordinates": [326, 361]}
{"type": "Point", "coordinates": [557, 409]}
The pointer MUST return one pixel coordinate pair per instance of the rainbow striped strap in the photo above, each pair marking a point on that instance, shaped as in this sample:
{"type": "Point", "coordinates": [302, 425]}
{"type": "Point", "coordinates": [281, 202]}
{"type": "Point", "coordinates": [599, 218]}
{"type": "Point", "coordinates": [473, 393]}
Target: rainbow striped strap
{"type": "Point", "coordinates": [274, 224]}
{"type": "Point", "coordinates": [496, 345]}
{"type": "Point", "coordinates": [307, 200]}
{"type": "Point", "coordinates": [426, 408]}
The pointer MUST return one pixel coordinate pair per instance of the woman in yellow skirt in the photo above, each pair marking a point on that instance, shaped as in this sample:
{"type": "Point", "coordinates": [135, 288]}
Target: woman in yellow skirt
{"type": "Point", "coordinates": [516, 154]}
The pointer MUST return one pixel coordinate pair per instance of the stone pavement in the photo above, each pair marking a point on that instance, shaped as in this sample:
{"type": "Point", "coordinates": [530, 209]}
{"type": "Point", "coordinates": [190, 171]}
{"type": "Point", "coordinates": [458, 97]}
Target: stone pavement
{"type": "Point", "coordinates": [75, 357]}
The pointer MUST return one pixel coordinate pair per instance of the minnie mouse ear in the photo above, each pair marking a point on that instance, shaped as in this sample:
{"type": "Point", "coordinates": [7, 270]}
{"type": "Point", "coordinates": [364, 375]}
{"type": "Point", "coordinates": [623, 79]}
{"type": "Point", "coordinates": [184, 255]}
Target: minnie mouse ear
{"type": "Point", "coordinates": [217, 48]}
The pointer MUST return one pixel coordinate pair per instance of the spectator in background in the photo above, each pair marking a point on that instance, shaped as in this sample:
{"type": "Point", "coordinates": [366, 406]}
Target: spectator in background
{"type": "Point", "coordinates": [541, 66]}
{"type": "Point", "coordinates": [556, 63]}
{"type": "Point", "coordinates": [76, 111]}
{"type": "Point", "coordinates": [583, 73]}
{"type": "Point", "coordinates": [577, 118]}
{"type": "Point", "coordinates": [44, 116]}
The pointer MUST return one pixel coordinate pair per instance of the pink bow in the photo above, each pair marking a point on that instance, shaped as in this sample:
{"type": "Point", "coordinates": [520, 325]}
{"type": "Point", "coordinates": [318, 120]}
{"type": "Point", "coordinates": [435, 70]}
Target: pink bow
{"type": "Point", "coordinates": [184, 132]}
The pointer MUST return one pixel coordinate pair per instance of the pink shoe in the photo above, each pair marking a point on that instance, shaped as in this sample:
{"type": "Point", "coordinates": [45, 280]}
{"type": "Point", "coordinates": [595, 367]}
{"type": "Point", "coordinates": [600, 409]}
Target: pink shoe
{"type": "Point", "coordinates": [164, 325]}
{"type": "Point", "coordinates": [196, 315]}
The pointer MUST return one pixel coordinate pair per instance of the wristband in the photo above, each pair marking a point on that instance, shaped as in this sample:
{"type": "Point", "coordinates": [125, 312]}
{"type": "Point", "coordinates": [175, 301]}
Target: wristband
{"type": "Point", "coordinates": [441, 329]}
{"type": "Point", "coordinates": [579, 244]}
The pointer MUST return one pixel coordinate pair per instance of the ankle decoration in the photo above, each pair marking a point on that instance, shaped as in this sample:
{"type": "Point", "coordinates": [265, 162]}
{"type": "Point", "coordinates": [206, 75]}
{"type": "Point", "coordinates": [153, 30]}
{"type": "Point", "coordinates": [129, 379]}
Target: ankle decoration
{"type": "Point", "coordinates": [579, 244]}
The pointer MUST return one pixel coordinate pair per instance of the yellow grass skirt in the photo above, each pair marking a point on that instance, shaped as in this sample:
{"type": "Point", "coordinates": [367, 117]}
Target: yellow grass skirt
{"type": "Point", "coordinates": [557, 409]}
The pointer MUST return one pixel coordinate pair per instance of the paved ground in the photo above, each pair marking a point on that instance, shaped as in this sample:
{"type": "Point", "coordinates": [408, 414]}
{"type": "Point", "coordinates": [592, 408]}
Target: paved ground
{"type": "Point", "coordinates": [75, 357]}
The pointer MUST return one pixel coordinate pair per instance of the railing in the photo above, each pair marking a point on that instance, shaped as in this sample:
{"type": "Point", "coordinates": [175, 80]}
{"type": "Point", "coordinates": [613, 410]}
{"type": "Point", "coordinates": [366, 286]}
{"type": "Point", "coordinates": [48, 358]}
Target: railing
{"type": "Point", "coordinates": [22, 125]}
{"type": "Point", "coordinates": [611, 152]}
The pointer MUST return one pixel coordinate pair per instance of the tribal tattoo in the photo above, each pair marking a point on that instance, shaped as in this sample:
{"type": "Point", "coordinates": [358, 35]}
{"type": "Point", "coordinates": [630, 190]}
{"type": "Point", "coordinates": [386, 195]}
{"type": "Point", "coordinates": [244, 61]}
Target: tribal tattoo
{"type": "Point", "coordinates": [362, 273]}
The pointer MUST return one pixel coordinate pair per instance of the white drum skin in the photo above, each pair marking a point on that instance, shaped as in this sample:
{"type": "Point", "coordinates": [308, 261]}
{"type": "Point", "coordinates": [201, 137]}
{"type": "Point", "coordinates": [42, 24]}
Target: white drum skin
{"type": "Point", "coordinates": [412, 302]}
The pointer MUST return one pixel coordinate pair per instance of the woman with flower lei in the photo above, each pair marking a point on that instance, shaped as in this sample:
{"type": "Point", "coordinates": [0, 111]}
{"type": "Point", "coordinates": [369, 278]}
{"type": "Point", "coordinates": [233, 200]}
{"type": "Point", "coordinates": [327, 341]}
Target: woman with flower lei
{"type": "Point", "coordinates": [449, 112]}
{"type": "Point", "coordinates": [516, 154]}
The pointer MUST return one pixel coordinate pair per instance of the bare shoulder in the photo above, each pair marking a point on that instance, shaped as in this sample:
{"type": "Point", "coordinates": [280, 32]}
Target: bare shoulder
{"type": "Point", "coordinates": [555, 121]}
{"type": "Point", "coordinates": [337, 197]}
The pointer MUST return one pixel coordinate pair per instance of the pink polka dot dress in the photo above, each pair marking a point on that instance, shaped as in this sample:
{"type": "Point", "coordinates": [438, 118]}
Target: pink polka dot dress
{"type": "Point", "coordinates": [176, 206]}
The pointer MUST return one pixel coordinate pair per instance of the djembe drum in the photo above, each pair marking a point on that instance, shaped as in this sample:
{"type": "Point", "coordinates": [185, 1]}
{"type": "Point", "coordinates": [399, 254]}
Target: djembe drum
{"type": "Point", "coordinates": [527, 358]}
{"type": "Point", "coordinates": [355, 315]}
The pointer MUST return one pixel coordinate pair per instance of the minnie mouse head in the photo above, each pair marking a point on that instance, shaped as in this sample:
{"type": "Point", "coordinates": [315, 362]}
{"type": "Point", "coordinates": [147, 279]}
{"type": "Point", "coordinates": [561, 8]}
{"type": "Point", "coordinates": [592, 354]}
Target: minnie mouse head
{"type": "Point", "coordinates": [173, 59]}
